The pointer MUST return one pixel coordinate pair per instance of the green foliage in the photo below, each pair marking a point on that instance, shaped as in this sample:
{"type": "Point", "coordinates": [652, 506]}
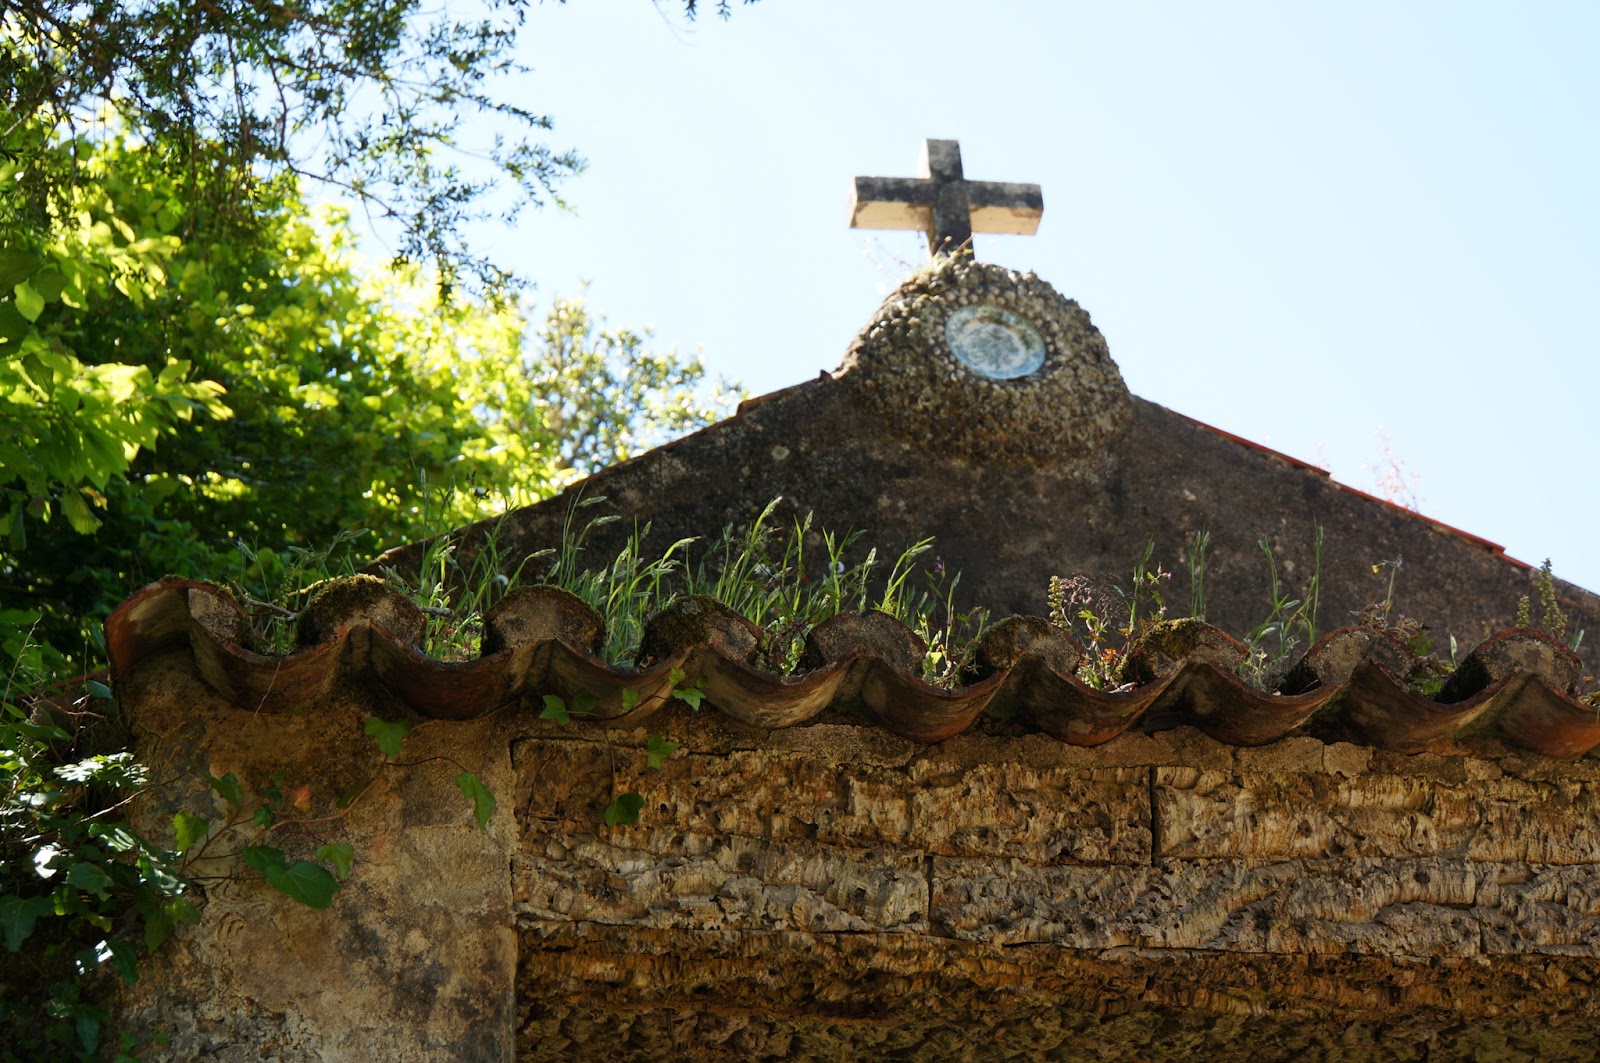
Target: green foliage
{"type": "Point", "coordinates": [483, 803]}
{"type": "Point", "coordinates": [624, 810]}
{"type": "Point", "coordinates": [310, 884]}
{"type": "Point", "coordinates": [382, 101]}
{"type": "Point", "coordinates": [1107, 618]}
{"type": "Point", "coordinates": [235, 95]}
{"type": "Point", "coordinates": [1554, 618]}
{"type": "Point", "coordinates": [1290, 622]}
{"type": "Point", "coordinates": [763, 572]}
{"type": "Point", "coordinates": [658, 751]}
{"type": "Point", "coordinates": [691, 694]}
{"type": "Point", "coordinates": [1199, 546]}
{"type": "Point", "coordinates": [78, 889]}
{"type": "Point", "coordinates": [340, 854]}
{"type": "Point", "coordinates": [388, 735]}
{"type": "Point", "coordinates": [115, 401]}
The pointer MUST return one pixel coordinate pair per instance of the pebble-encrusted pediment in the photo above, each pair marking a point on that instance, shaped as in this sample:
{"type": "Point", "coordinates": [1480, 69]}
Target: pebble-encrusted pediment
{"type": "Point", "coordinates": [991, 364]}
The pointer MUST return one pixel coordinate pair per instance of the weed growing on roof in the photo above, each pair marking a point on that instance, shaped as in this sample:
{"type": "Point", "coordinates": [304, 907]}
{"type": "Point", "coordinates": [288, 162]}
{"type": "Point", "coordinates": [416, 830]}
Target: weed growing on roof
{"type": "Point", "coordinates": [766, 572]}
{"type": "Point", "coordinates": [1107, 618]}
{"type": "Point", "coordinates": [1199, 545]}
{"type": "Point", "coordinates": [272, 584]}
{"type": "Point", "coordinates": [1290, 622]}
{"type": "Point", "coordinates": [1554, 619]}
{"type": "Point", "coordinates": [1428, 676]}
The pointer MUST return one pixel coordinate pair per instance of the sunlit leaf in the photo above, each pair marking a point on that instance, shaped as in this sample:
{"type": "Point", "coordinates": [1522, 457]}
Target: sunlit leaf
{"type": "Point", "coordinates": [390, 735]}
{"type": "Point", "coordinates": [188, 829]}
{"type": "Point", "coordinates": [339, 854]}
{"type": "Point", "coordinates": [483, 803]}
{"type": "Point", "coordinates": [310, 884]}
{"type": "Point", "coordinates": [29, 303]}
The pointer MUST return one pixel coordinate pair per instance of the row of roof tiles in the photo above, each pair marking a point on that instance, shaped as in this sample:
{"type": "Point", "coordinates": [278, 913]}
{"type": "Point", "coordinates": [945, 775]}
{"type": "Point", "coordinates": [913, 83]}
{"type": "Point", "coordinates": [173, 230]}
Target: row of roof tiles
{"type": "Point", "coordinates": [542, 640]}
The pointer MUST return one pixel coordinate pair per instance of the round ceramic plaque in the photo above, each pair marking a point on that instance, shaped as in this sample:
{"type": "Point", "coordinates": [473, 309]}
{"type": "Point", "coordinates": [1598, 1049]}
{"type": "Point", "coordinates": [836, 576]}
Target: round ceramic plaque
{"type": "Point", "coordinates": [994, 342]}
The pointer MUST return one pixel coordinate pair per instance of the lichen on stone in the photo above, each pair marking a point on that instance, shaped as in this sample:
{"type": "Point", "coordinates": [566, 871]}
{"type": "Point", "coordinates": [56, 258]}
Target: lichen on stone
{"type": "Point", "coordinates": [338, 603]}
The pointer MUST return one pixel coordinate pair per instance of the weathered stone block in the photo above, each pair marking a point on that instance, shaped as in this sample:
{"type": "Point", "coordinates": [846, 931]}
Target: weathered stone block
{"type": "Point", "coordinates": [661, 878]}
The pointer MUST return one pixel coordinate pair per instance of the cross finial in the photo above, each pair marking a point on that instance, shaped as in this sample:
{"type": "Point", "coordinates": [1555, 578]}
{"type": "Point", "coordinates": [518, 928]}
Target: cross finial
{"type": "Point", "coordinates": [944, 204]}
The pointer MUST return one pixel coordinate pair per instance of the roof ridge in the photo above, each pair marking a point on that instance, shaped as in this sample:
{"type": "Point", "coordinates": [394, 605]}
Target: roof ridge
{"type": "Point", "coordinates": [540, 640]}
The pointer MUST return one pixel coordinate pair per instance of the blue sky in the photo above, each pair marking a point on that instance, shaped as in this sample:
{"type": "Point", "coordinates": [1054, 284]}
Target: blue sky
{"type": "Point", "coordinates": [1299, 223]}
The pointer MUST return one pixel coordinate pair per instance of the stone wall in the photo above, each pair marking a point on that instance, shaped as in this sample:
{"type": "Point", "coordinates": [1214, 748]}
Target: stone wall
{"type": "Point", "coordinates": [831, 891]}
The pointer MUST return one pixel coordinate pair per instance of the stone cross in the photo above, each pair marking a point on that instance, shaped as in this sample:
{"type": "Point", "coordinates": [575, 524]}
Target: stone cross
{"type": "Point", "coordinates": [944, 204]}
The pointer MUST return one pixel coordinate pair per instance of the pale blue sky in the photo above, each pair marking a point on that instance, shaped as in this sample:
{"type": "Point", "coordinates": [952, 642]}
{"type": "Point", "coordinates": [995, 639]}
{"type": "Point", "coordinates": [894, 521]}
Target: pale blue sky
{"type": "Point", "coordinates": [1299, 223]}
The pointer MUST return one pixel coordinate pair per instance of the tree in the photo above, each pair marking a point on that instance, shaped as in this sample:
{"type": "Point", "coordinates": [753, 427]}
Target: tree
{"type": "Point", "coordinates": [318, 398]}
{"type": "Point", "coordinates": [376, 97]}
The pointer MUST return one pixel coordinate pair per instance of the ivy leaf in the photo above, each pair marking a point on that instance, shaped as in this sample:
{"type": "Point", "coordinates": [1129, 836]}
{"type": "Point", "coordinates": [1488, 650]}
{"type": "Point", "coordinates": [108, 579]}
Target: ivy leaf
{"type": "Point", "coordinates": [125, 958]}
{"type": "Point", "coordinates": [555, 709]}
{"type": "Point", "coordinates": [582, 703]}
{"type": "Point", "coordinates": [86, 1023]}
{"type": "Point", "coordinates": [17, 916]}
{"type": "Point", "coordinates": [690, 696]}
{"type": "Point", "coordinates": [157, 928]}
{"type": "Point", "coordinates": [630, 699]}
{"type": "Point", "coordinates": [115, 836]}
{"type": "Point", "coordinates": [658, 749]}
{"type": "Point", "coordinates": [228, 788]}
{"type": "Point", "coordinates": [262, 817]}
{"type": "Point", "coordinates": [389, 735]}
{"type": "Point", "coordinates": [263, 857]}
{"type": "Point", "coordinates": [624, 811]}
{"type": "Point", "coordinates": [339, 854]}
{"type": "Point", "coordinates": [189, 829]}
{"type": "Point", "coordinates": [89, 878]}
{"type": "Point", "coordinates": [159, 924]}
{"type": "Point", "coordinates": [310, 884]}
{"type": "Point", "coordinates": [482, 800]}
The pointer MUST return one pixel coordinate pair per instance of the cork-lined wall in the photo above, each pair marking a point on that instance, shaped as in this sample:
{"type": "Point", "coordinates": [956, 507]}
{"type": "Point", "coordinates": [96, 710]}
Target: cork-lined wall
{"type": "Point", "coordinates": [832, 891]}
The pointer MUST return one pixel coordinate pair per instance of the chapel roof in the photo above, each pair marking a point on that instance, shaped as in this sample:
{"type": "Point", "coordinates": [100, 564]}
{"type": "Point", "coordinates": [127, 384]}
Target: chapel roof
{"type": "Point", "coordinates": [982, 408]}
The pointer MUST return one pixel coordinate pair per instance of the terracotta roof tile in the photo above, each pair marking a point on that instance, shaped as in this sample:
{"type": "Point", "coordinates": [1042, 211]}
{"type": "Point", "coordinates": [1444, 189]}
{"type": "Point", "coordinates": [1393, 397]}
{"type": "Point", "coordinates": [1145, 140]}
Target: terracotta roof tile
{"type": "Point", "coordinates": [1519, 681]}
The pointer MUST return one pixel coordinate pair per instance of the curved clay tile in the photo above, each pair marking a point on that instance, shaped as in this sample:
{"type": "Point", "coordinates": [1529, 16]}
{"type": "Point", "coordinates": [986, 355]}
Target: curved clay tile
{"type": "Point", "coordinates": [544, 641]}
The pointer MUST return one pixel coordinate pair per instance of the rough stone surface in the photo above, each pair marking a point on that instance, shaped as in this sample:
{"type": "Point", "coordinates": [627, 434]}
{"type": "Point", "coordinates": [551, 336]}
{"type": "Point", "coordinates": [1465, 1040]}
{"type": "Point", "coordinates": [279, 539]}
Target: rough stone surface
{"type": "Point", "coordinates": [831, 891]}
{"type": "Point", "coordinates": [413, 960]}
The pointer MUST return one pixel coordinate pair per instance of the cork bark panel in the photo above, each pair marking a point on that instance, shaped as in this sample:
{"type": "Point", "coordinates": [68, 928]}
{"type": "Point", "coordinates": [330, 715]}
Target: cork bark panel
{"type": "Point", "coordinates": [1441, 906]}
{"type": "Point", "coordinates": [1049, 808]}
{"type": "Point", "coordinates": [663, 878]}
{"type": "Point", "coordinates": [1484, 814]}
{"type": "Point", "coordinates": [588, 991]}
